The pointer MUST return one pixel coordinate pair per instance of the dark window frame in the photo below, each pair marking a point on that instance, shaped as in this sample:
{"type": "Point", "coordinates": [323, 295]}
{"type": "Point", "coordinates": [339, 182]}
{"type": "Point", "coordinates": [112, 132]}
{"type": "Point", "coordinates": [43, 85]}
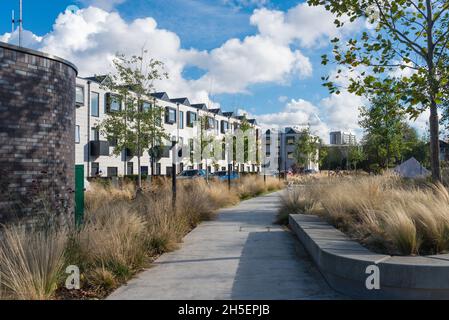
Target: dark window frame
{"type": "Point", "coordinates": [168, 112]}
{"type": "Point", "coordinates": [77, 134]}
{"type": "Point", "coordinates": [181, 119]}
{"type": "Point", "coordinates": [80, 103]}
{"type": "Point", "coordinates": [92, 166]}
{"type": "Point", "coordinates": [224, 126]}
{"type": "Point", "coordinates": [98, 104]}
{"type": "Point", "coordinates": [97, 134]}
{"type": "Point", "coordinates": [191, 120]}
{"type": "Point", "coordinates": [110, 169]}
{"type": "Point", "coordinates": [108, 102]}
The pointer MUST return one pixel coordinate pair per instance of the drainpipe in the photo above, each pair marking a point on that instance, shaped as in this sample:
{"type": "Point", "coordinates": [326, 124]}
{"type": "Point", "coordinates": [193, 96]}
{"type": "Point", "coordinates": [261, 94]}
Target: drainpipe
{"type": "Point", "coordinates": [88, 129]}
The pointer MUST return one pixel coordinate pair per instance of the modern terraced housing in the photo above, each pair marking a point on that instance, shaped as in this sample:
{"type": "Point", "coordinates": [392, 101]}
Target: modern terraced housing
{"type": "Point", "coordinates": [93, 103]}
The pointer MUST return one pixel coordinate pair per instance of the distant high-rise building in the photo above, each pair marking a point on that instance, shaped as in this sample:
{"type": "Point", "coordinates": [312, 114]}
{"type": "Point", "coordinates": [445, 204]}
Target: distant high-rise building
{"type": "Point", "coordinates": [342, 138]}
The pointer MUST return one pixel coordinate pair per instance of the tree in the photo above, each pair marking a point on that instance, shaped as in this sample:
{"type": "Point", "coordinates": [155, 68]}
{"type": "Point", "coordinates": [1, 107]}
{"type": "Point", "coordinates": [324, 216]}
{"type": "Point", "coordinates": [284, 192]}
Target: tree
{"type": "Point", "coordinates": [307, 147]}
{"type": "Point", "coordinates": [383, 124]}
{"type": "Point", "coordinates": [355, 155]}
{"type": "Point", "coordinates": [136, 125]}
{"type": "Point", "coordinates": [409, 35]}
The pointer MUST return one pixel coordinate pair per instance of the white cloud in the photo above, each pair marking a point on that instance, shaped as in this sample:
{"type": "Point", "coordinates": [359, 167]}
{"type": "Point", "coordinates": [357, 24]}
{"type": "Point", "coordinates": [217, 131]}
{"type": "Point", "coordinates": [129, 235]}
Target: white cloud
{"type": "Point", "coordinates": [90, 38]}
{"type": "Point", "coordinates": [103, 4]}
{"type": "Point", "coordinates": [246, 3]}
{"type": "Point", "coordinates": [29, 39]}
{"type": "Point", "coordinates": [309, 25]}
{"type": "Point", "coordinates": [296, 113]}
{"type": "Point", "coordinates": [282, 99]}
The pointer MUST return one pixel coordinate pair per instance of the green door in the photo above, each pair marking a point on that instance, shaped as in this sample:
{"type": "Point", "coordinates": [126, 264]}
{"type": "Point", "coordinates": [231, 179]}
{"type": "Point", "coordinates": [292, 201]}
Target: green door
{"type": "Point", "coordinates": [79, 194]}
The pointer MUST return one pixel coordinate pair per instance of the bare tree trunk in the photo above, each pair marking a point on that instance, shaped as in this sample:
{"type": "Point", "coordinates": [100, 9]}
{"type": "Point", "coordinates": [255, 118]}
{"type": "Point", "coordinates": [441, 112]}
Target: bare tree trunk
{"type": "Point", "coordinates": [434, 142]}
{"type": "Point", "coordinates": [433, 89]}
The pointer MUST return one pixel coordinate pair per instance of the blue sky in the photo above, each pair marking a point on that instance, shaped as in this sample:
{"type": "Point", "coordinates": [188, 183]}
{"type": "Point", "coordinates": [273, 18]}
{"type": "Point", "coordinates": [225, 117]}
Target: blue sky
{"type": "Point", "coordinates": [279, 44]}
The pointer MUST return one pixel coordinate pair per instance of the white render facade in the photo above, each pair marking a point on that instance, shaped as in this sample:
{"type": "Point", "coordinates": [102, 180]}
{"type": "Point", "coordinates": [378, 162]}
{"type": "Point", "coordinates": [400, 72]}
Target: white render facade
{"type": "Point", "coordinates": [95, 152]}
{"type": "Point", "coordinates": [280, 146]}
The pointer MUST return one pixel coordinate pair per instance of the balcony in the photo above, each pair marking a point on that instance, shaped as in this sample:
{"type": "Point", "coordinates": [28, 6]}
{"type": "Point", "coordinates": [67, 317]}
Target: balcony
{"type": "Point", "coordinates": [99, 148]}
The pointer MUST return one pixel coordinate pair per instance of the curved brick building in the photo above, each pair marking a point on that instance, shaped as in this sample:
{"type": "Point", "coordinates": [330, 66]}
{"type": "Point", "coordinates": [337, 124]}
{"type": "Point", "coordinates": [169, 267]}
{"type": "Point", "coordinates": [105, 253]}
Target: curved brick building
{"type": "Point", "coordinates": [37, 125]}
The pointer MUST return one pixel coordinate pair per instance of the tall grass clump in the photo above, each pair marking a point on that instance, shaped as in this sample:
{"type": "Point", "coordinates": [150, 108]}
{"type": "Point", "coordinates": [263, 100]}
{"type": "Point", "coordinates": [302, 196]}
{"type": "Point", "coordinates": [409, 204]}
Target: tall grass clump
{"type": "Point", "coordinates": [122, 232]}
{"type": "Point", "coordinates": [31, 261]}
{"type": "Point", "coordinates": [386, 213]}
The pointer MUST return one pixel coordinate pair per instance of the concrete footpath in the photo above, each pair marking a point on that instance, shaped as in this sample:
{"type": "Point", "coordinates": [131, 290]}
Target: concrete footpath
{"type": "Point", "coordinates": [239, 255]}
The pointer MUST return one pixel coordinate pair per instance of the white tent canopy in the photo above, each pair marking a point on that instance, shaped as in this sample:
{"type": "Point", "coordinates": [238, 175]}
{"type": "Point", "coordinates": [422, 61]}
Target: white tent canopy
{"type": "Point", "coordinates": [411, 169]}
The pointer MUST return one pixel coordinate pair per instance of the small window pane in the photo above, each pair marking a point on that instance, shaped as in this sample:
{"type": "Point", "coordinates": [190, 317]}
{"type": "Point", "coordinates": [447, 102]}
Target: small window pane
{"type": "Point", "coordinates": [146, 106]}
{"type": "Point", "coordinates": [77, 134]}
{"type": "Point", "coordinates": [79, 95]}
{"type": "Point", "coordinates": [94, 134]}
{"type": "Point", "coordinates": [115, 103]}
{"type": "Point", "coordinates": [95, 169]}
{"type": "Point", "coordinates": [112, 171]}
{"type": "Point", "coordinates": [181, 120]}
{"type": "Point", "coordinates": [95, 104]}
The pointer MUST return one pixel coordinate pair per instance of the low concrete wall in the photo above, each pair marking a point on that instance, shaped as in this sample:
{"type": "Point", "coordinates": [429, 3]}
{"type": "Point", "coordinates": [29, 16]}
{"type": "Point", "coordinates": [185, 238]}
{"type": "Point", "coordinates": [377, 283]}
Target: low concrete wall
{"type": "Point", "coordinates": [343, 263]}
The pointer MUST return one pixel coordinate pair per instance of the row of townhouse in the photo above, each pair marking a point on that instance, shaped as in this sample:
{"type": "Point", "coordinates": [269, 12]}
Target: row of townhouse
{"type": "Point", "coordinates": [93, 103]}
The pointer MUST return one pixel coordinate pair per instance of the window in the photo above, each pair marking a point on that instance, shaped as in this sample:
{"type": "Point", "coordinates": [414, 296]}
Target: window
{"type": "Point", "coordinates": [112, 172]}
{"type": "Point", "coordinates": [112, 142]}
{"type": "Point", "coordinates": [170, 115]}
{"type": "Point", "coordinates": [79, 95]}
{"type": "Point", "coordinates": [94, 134]}
{"type": "Point", "coordinates": [224, 126]}
{"type": "Point", "coordinates": [191, 150]}
{"type": "Point", "coordinates": [268, 154]}
{"type": "Point", "coordinates": [95, 104]}
{"type": "Point", "coordinates": [223, 149]}
{"type": "Point", "coordinates": [210, 123]}
{"type": "Point", "coordinates": [130, 168]}
{"type": "Point", "coordinates": [191, 118]}
{"type": "Point", "coordinates": [113, 103]}
{"type": "Point", "coordinates": [158, 169]}
{"type": "Point", "coordinates": [290, 155]}
{"type": "Point", "coordinates": [144, 170]}
{"type": "Point", "coordinates": [94, 169]}
{"type": "Point", "coordinates": [145, 106]}
{"type": "Point", "coordinates": [181, 119]}
{"type": "Point", "coordinates": [290, 140]}
{"type": "Point", "coordinates": [168, 171]}
{"type": "Point", "coordinates": [77, 134]}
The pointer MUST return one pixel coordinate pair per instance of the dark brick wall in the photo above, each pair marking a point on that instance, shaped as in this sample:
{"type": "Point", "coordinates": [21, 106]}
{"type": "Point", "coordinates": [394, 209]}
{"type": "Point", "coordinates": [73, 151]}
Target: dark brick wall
{"type": "Point", "coordinates": [37, 125]}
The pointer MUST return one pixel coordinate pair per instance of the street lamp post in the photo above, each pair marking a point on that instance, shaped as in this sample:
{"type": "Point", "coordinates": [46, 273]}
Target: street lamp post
{"type": "Point", "coordinates": [174, 141]}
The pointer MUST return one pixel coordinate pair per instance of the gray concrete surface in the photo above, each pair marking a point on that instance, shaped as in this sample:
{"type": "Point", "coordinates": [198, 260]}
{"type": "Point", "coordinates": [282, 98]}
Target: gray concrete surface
{"type": "Point", "coordinates": [344, 262]}
{"type": "Point", "coordinates": [239, 255]}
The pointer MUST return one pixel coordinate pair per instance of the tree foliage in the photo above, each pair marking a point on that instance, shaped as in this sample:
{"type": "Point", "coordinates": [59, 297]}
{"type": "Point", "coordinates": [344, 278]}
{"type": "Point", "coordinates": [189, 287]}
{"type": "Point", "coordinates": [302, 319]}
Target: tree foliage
{"type": "Point", "coordinates": [137, 125]}
{"type": "Point", "coordinates": [307, 147]}
{"type": "Point", "coordinates": [405, 53]}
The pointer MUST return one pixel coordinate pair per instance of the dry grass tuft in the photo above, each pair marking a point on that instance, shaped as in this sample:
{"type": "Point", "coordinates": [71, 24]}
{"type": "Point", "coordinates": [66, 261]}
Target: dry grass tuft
{"type": "Point", "coordinates": [386, 213]}
{"type": "Point", "coordinates": [122, 232]}
{"type": "Point", "coordinates": [31, 262]}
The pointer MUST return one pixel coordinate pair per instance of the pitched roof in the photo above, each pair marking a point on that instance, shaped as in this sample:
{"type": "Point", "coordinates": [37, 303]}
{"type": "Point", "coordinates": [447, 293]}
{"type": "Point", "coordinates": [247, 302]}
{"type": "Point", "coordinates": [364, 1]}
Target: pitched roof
{"type": "Point", "coordinates": [216, 111]}
{"type": "Point", "coordinates": [161, 96]}
{"type": "Point", "coordinates": [252, 121]}
{"type": "Point", "coordinates": [291, 130]}
{"type": "Point", "coordinates": [201, 106]}
{"type": "Point", "coordinates": [183, 101]}
{"type": "Point", "coordinates": [98, 79]}
{"type": "Point", "coordinates": [228, 114]}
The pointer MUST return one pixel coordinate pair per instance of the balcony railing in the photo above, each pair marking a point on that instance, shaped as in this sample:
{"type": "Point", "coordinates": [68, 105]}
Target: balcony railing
{"type": "Point", "coordinates": [99, 148]}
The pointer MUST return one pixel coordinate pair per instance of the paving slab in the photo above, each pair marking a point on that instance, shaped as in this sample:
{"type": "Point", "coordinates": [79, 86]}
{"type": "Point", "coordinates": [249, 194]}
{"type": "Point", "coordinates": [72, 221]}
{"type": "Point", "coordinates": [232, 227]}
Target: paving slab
{"type": "Point", "coordinates": [241, 254]}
